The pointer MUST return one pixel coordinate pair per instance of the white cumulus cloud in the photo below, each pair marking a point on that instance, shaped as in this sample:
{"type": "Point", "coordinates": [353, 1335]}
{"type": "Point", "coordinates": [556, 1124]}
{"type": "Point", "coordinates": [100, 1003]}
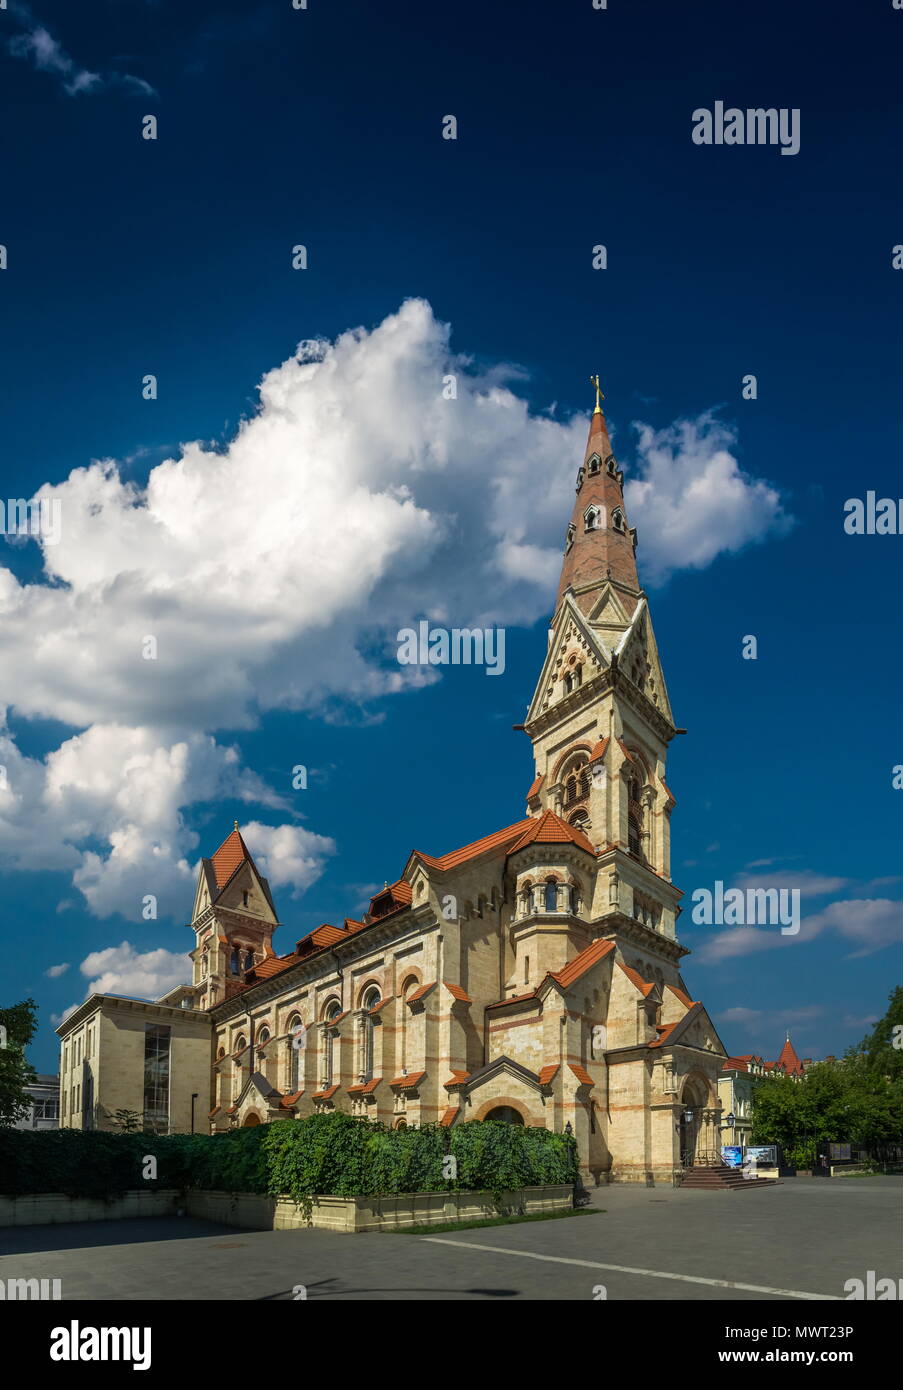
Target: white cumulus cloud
{"type": "Point", "coordinates": [274, 572]}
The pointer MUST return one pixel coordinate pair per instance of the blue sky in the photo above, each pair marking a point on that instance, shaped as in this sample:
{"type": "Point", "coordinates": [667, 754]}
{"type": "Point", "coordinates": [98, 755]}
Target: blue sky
{"type": "Point", "coordinates": [273, 567]}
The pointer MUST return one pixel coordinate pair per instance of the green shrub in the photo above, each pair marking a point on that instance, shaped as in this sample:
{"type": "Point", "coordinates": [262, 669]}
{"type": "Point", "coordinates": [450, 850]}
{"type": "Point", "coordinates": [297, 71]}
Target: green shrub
{"type": "Point", "coordinates": [334, 1154]}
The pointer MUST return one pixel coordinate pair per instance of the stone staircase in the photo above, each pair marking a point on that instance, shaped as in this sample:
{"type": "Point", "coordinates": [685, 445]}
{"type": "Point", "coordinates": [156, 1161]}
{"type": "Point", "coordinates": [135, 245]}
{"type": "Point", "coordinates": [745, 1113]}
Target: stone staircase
{"type": "Point", "coordinates": [721, 1178]}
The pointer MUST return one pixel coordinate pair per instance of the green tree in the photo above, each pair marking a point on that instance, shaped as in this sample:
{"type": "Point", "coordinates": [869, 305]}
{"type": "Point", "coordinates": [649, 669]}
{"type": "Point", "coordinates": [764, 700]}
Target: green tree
{"type": "Point", "coordinates": [882, 1056]}
{"type": "Point", "coordinates": [126, 1121]}
{"type": "Point", "coordinates": [18, 1025]}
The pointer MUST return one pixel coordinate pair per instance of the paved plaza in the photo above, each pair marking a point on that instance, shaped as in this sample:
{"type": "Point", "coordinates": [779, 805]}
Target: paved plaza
{"type": "Point", "coordinates": [799, 1240]}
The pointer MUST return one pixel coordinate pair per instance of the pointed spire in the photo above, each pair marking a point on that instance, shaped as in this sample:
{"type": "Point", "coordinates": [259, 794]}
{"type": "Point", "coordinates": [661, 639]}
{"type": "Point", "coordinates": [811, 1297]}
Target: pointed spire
{"type": "Point", "coordinates": [599, 543]}
{"type": "Point", "coordinates": [232, 852]}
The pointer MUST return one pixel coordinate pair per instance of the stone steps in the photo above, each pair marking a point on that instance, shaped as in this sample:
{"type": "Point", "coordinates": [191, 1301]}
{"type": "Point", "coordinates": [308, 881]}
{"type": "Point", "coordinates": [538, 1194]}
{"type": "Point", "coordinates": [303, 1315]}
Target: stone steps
{"type": "Point", "coordinates": [721, 1179]}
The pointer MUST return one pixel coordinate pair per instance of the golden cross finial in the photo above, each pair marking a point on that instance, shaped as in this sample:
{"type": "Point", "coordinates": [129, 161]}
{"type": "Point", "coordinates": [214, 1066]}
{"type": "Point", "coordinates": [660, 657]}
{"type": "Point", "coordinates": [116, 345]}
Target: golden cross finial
{"type": "Point", "coordinates": [599, 395]}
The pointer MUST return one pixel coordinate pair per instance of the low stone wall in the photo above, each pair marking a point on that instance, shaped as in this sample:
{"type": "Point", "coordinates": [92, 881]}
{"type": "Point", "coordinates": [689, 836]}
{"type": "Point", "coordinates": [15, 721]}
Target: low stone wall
{"type": "Point", "coordinates": [260, 1213]}
{"type": "Point", "coordinates": [54, 1208]}
{"type": "Point", "coordinates": [357, 1214]}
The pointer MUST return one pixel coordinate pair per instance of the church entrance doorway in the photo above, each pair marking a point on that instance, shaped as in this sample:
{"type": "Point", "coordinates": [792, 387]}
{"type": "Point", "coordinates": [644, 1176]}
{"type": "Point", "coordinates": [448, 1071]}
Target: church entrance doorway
{"type": "Point", "coordinates": [506, 1114]}
{"type": "Point", "coordinates": [250, 1119]}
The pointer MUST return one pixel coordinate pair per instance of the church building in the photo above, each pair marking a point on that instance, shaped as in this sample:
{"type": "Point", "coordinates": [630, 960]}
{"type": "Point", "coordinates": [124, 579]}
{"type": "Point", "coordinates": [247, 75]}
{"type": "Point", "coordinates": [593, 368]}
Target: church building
{"type": "Point", "coordinates": [533, 975]}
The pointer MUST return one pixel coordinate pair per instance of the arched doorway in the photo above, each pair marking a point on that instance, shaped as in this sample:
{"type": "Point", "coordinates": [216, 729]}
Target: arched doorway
{"type": "Point", "coordinates": [250, 1119]}
{"type": "Point", "coordinates": [692, 1131]}
{"type": "Point", "coordinates": [506, 1114]}
{"type": "Point", "coordinates": [689, 1129]}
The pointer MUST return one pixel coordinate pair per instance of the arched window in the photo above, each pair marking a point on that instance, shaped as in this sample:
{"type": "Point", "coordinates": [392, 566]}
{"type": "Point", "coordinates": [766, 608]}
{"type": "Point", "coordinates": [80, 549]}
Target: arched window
{"type": "Point", "coordinates": [577, 782]}
{"type": "Point", "coordinates": [371, 998]}
{"type": "Point", "coordinates": [506, 1114]}
{"type": "Point", "coordinates": [263, 1057]}
{"type": "Point", "coordinates": [568, 683]}
{"type": "Point", "coordinates": [578, 676]}
{"type": "Point", "coordinates": [407, 989]}
{"type": "Point", "coordinates": [527, 898]}
{"type": "Point", "coordinates": [591, 518]}
{"type": "Point", "coordinates": [205, 963]}
{"type": "Point", "coordinates": [634, 813]}
{"type": "Point", "coordinates": [240, 1054]}
{"type": "Point", "coordinates": [617, 519]}
{"type": "Point", "coordinates": [296, 1040]}
{"type": "Point", "coordinates": [249, 959]}
{"type": "Point", "coordinates": [551, 895]}
{"type": "Point", "coordinates": [333, 1009]}
{"type": "Point", "coordinates": [235, 961]}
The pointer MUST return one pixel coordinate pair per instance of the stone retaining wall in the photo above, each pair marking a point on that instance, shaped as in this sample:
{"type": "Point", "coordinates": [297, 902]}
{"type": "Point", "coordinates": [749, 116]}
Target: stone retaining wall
{"type": "Point", "coordinates": [53, 1208]}
{"type": "Point", "coordinates": [260, 1213]}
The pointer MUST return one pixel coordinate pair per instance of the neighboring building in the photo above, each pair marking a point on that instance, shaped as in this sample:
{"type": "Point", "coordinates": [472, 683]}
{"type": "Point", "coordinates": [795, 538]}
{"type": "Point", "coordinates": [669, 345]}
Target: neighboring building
{"type": "Point", "coordinates": [735, 1086]}
{"type": "Point", "coordinates": [738, 1079]}
{"type": "Point", "coordinates": [532, 976]}
{"type": "Point", "coordinates": [132, 1055]}
{"type": "Point", "coordinates": [44, 1111]}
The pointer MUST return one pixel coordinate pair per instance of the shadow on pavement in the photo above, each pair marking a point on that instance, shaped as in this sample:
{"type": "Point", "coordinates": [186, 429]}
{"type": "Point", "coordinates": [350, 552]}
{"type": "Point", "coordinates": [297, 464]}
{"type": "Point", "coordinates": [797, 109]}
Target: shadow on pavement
{"type": "Point", "coordinates": [79, 1235]}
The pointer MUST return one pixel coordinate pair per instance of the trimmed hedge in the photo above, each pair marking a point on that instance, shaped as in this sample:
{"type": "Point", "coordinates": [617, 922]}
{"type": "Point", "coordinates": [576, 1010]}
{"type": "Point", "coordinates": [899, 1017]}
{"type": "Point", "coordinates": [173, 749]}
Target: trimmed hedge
{"type": "Point", "coordinates": [303, 1159]}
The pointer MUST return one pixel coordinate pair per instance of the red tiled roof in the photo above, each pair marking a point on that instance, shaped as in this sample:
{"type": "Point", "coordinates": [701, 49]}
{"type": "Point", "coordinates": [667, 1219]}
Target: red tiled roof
{"type": "Point", "coordinates": [288, 1101]}
{"type": "Point", "coordinates": [421, 992]}
{"type": "Point", "coordinates": [625, 750]}
{"type": "Point", "coordinates": [546, 1074]}
{"type": "Point", "coordinates": [664, 1030]}
{"type": "Point", "coordinates": [599, 751]}
{"type": "Point", "coordinates": [551, 829]}
{"type": "Point", "coordinates": [456, 1078]}
{"type": "Point", "coordinates": [324, 935]}
{"type": "Point", "coordinates": [587, 958]}
{"type": "Point", "coordinates": [449, 1115]}
{"type": "Point", "coordinates": [581, 1074]}
{"type": "Point", "coordinates": [684, 999]}
{"type": "Point", "coordinates": [232, 852]}
{"type": "Point", "coordinates": [668, 792]}
{"type": "Point", "coordinates": [215, 1111]}
{"type": "Point", "coordinates": [406, 1083]}
{"type": "Point", "coordinates": [327, 1094]}
{"type": "Point", "coordinates": [515, 999]}
{"type": "Point", "coordinates": [636, 979]}
{"type": "Point", "coordinates": [398, 894]}
{"type": "Point", "coordinates": [377, 1008]}
{"type": "Point", "coordinates": [274, 965]}
{"type": "Point", "coordinates": [472, 851]}
{"type": "Point", "coordinates": [366, 1089]}
{"type": "Point", "coordinates": [789, 1060]}
{"type": "Point", "coordinates": [458, 992]}
{"type": "Point", "coordinates": [535, 786]}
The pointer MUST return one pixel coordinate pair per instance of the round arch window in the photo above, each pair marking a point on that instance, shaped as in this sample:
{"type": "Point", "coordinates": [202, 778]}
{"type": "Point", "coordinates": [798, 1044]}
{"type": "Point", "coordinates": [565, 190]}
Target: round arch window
{"type": "Point", "coordinates": [505, 1114]}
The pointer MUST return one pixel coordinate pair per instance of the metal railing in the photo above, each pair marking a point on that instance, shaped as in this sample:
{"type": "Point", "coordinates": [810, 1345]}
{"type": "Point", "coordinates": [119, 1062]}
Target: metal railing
{"type": "Point", "coordinates": [702, 1158]}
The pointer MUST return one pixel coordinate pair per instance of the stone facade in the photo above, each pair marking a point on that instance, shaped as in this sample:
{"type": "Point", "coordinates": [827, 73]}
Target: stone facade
{"type": "Point", "coordinates": [533, 975]}
{"type": "Point", "coordinates": [111, 1061]}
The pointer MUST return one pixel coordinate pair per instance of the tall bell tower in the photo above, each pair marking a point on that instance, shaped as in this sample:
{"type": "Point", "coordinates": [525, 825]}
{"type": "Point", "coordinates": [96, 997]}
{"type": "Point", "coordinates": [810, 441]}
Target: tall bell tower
{"type": "Point", "coordinates": [233, 921]}
{"type": "Point", "coordinates": [600, 720]}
